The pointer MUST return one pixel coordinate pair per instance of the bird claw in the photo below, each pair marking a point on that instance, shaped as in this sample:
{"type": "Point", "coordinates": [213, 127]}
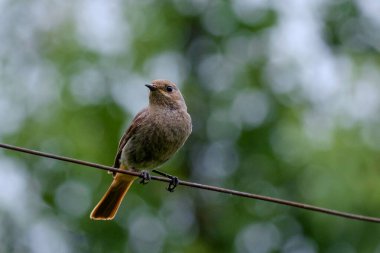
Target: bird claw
{"type": "Point", "coordinates": [145, 177]}
{"type": "Point", "coordinates": [174, 181]}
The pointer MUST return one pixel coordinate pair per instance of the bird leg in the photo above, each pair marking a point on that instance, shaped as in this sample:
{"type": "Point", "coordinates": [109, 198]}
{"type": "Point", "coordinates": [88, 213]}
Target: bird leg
{"type": "Point", "coordinates": [173, 180]}
{"type": "Point", "coordinates": [145, 177]}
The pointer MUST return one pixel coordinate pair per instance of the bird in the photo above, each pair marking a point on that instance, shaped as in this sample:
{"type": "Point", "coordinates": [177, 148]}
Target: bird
{"type": "Point", "coordinates": [155, 134]}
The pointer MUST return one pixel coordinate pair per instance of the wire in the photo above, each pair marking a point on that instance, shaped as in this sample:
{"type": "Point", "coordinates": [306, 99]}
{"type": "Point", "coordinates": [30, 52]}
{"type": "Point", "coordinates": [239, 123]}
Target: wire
{"type": "Point", "coordinates": [199, 186]}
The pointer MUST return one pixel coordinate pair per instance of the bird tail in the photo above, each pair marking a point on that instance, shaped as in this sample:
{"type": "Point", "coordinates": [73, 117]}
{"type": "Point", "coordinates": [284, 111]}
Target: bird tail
{"type": "Point", "coordinates": [107, 207]}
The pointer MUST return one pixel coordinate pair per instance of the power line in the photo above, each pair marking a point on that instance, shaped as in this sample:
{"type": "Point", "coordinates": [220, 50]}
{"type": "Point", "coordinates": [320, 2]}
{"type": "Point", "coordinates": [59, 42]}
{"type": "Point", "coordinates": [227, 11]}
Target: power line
{"type": "Point", "coordinates": [199, 186]}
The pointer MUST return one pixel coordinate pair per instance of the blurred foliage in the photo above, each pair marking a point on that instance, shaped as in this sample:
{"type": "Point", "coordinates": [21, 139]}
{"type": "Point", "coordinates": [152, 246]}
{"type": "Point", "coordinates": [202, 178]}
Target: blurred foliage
{"type": "Point", "coordinates": [284, 98]}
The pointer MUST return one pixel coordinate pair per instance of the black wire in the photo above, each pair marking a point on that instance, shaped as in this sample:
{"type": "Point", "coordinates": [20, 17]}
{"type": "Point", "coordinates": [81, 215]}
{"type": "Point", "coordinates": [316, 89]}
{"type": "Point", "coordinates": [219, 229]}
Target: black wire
{"type": "Point", "coordinates": [200, 186]}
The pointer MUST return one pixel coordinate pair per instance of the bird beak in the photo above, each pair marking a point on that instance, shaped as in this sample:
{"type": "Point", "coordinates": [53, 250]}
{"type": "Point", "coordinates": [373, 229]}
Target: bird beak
{"type": "Point", "coordinates": [151, 87]}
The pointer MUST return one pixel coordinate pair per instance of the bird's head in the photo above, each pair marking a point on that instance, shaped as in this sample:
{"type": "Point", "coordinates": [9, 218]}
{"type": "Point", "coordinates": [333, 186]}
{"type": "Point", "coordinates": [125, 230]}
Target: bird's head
{"type": "Point", "coordinates": [165, 93]}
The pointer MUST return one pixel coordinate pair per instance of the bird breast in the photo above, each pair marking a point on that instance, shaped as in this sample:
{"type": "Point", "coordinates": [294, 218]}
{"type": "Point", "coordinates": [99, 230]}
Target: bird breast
{"type": "Point", "coordinates": [158, 137]}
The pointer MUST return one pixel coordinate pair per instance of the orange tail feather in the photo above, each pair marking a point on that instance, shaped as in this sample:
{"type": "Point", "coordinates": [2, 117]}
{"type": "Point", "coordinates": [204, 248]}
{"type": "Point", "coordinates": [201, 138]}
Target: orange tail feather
{"type": "Point", "coordinates": [107, 207]}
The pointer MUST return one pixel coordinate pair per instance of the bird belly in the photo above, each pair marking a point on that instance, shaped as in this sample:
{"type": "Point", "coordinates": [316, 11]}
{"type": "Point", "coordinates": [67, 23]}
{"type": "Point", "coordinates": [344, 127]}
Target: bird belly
{"type": "Point", "coordinates": [149, 149]}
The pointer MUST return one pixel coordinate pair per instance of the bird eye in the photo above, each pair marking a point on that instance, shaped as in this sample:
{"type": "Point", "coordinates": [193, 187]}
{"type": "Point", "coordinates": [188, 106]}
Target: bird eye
{"type": "Point", "coordinates": [169, 88]}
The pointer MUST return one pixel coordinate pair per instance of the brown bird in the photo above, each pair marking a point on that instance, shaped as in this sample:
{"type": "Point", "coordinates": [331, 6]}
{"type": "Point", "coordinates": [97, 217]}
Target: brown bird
{"type": "Point", "coordinates": [153, 137]}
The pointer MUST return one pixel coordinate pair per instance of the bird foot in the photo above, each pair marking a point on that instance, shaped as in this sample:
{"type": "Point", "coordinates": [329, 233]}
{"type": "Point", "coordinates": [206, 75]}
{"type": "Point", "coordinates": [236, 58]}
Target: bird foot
{"type": "Point", "coordinates": [145, 177]}
{"type": "Point", "coordinates": [174, 181]}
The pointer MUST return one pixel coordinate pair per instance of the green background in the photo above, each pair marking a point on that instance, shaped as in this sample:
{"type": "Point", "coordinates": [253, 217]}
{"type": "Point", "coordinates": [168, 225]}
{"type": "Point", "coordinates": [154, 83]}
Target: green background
{"type": "Point", "coordinates": [285, 102]}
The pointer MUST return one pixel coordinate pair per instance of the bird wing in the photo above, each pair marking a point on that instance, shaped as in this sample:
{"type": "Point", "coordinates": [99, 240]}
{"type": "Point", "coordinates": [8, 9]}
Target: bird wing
{"type": "Point", "coordinates": [127, 135]}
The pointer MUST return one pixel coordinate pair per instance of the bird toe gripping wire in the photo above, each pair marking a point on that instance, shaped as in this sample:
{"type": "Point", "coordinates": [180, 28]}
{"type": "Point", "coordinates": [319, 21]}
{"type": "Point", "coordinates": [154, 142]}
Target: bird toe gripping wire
{"type": "Point", "coordinates": [145, 177]}
{"type": "Point", "coordinates": [174, 181]}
